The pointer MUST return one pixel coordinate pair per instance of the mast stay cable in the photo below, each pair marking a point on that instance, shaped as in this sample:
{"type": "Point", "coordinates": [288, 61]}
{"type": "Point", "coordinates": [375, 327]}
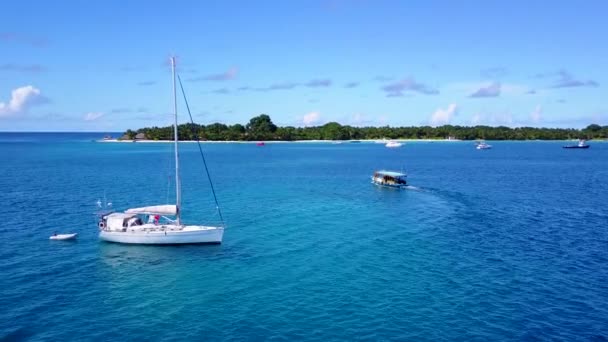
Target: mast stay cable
{"type": "Point", "coordinates": [198, 142]}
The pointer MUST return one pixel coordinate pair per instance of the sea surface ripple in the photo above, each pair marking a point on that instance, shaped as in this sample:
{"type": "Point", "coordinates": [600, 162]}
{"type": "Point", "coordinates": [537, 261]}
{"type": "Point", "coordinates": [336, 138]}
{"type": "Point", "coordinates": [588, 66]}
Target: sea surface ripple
{"type": "Point", "coordinates": [502, 244]}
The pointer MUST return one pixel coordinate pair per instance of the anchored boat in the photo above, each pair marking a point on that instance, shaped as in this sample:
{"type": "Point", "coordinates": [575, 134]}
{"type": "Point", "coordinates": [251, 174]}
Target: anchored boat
{"type": "Point", "coordinates": [581, 144]}
{"type": "Point", "coordinates": [63, 236]}
{"type": "Point", "coordinates": [483, 146]}
{"type": "Point", "coordinates": [159, 224]}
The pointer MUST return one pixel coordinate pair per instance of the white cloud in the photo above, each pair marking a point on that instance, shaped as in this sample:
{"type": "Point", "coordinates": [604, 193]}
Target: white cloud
{"type": "Point", "coordinates": [536, 115]}
{"type": "Point", "coordinates": [397, 89]}
{"type": "Point", "coordinates": [492, 119]}
{"type": "Point", "coordinates": [92, 116]}
{"type": "Point", "coordinates": [228, 75]}
{"type": "Point", "coordinates": [514, 89]}
{"type": "Point", "coordinates": [311, 118]}
{"type": "Point", "coordinates": [468, 88]}
{"type": "Point", "coordinates": [382, 120]}
{"type": "Point", "coordinates": [444, 116]}
{"type": "Point", "coordinates": [490, 90]}
{"type": "Point", "coordinates": [362, 120]}
{"type": "Point", "coordinates": [476, 119]}
{"type": "Point", "coordinates": [21, 99]}
{"type": "Point", "coordinates": [359, 119]}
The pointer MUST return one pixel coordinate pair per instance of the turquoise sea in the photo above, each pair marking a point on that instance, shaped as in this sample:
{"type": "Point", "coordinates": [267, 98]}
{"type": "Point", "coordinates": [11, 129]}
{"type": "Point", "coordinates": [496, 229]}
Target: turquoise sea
{"type": "Point", "coordinates": [503, 244]}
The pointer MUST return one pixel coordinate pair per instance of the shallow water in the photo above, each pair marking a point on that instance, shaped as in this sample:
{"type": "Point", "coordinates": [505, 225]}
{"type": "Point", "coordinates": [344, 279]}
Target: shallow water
{"type": "Point", "coordinates": [501, 244]}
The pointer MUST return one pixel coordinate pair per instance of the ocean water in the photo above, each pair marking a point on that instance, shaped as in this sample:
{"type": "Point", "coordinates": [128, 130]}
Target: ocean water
{"type": "Point", "coordinates": [503, 244]}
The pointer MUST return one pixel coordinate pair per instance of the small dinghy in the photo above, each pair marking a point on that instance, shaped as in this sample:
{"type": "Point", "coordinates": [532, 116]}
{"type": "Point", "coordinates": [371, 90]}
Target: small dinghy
{"type": "Point", "coordinates": [63, 236]}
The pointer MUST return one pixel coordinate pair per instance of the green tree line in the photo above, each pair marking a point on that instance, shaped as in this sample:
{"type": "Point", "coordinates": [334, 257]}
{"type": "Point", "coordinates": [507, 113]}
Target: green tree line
{"type": "Point", "coordinates": [262, 128]}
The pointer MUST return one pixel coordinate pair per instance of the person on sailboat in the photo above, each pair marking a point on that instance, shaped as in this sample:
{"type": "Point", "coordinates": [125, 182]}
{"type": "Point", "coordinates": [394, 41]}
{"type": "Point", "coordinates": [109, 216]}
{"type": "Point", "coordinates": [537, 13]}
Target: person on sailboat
{"type": "Point", "coordinates": [153, 218]}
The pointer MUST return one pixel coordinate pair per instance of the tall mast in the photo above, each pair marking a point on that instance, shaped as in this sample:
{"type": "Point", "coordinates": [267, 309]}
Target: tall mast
{"type": "Point", "coordinates": [178, 189]}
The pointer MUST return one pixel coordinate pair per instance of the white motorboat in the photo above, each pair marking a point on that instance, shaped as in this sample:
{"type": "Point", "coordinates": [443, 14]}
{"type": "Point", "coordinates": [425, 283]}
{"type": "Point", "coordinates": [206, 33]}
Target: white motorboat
{"type": "Point", "coordinates": [63, 236]}
{"type": "Point", "coordinates": [483, 146]}
{"type": "Point", "coordinates": [144, 226]}
{"type": "Point", "coordinates": [393, 144]}
{"type": "Point", "coordinates": [581, 144]}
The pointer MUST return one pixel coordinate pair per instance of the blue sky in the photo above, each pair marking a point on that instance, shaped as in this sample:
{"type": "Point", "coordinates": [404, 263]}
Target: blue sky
{"type": "Point", "coordinates": [103, 66]}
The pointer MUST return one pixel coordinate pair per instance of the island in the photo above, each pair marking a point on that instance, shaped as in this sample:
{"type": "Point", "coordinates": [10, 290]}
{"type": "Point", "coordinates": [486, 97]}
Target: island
{"type": "Point", "coordinates": [261, 128]}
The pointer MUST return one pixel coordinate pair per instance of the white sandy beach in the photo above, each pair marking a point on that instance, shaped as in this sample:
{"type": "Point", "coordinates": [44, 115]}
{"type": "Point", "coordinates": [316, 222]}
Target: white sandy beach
{"type": "Point", "coordinates": [276, 141]}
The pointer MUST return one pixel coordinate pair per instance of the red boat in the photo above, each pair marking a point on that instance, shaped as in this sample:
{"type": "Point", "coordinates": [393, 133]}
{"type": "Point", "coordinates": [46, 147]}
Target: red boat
{"type": "Point", "coordinates": [261, 143]}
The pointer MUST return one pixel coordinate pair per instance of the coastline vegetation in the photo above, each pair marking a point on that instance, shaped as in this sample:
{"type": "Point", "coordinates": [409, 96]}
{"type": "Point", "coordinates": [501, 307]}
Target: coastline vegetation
{"type": "Point", "coordinates": [261, 127]}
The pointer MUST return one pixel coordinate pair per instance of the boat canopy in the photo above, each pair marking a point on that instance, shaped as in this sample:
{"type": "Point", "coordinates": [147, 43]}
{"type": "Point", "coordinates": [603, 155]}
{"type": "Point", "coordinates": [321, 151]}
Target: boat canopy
{"type": "Point", "coordinates": [117, 221]}
{"type": "Point", "coordinates": [166, 209]}
{"type": "Point", "coordinates": [391, 174]}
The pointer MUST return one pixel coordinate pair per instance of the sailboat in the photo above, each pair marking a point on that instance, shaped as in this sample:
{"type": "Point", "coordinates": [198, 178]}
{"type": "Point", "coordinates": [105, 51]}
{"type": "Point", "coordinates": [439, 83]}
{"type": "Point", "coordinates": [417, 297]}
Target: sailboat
{"type": "Point", "coordinates": [143, 225]}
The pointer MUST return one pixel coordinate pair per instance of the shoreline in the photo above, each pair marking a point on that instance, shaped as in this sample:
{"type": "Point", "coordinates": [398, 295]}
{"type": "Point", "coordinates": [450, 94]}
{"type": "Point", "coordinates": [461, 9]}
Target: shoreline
{"type": "Point", "coordinates": [336, 142]}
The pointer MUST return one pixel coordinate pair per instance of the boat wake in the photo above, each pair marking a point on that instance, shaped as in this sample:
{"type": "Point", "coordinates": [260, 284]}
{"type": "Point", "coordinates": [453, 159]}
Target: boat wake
{"type": "Point", "coordinates": [413, 188]}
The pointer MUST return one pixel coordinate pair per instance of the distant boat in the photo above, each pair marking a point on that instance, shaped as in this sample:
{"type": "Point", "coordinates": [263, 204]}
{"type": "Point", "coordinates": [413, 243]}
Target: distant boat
{"type": "Point", "coordinates": [63, 236]}
{"type": "Point", "coordinates": [393, 144]}
{"type": "Point", "coordinates": [260, 143]}
{"type": "Point", "coordinates": [389, 179]}
{"type": "Point", "coordinates": [107, 137]}
{"type": "Point", "coordinates": [581, 144]}
{"type": "Point", "coordinates": [483, 146]}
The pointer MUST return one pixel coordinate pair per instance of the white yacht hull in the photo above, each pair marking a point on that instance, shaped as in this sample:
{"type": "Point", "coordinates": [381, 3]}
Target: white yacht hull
{"type": "Point", "coordinates": [185, 235]}
{"type": "Point", "coordinates": [393, 145]}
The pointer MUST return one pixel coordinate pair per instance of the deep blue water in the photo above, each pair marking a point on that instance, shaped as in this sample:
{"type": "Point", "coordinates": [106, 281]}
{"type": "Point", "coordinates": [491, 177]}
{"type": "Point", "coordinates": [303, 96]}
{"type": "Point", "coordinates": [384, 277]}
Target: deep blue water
{"type": "Point", "coordinates": [502, 244]}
